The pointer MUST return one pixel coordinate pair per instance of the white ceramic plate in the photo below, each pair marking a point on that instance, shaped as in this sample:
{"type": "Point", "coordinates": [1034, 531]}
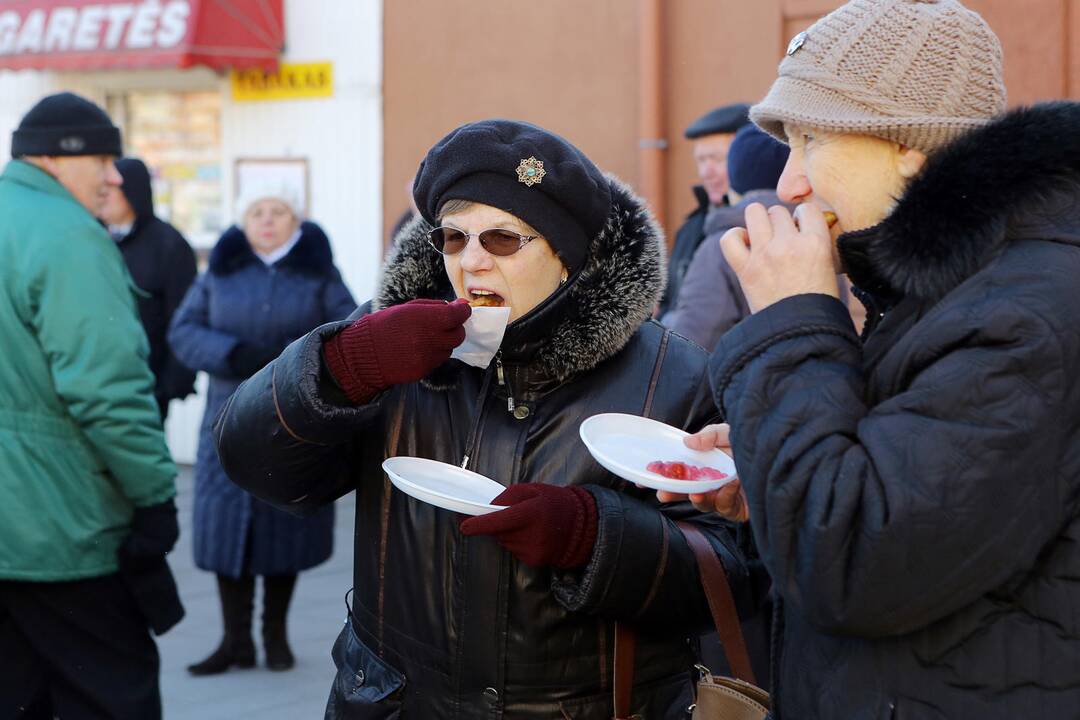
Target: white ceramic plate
{"type": "Point", "coordinates": [626, 444]}
{"type": "Point", "coordinates": [443, 485]}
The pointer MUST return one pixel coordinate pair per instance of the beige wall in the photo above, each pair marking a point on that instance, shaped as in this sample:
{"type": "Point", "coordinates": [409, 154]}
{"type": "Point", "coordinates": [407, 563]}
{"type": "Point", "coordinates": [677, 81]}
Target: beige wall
{"type": "Point", "coordinates": [572, 67]}
{"type": "Point", "coordinates": [447, 63]}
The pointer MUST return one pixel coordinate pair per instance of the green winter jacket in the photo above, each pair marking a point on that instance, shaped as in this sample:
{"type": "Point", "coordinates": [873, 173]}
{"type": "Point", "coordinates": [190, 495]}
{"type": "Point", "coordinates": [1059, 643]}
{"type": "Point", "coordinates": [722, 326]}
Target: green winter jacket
{"type": "Point", "coordinates": [81, 442]}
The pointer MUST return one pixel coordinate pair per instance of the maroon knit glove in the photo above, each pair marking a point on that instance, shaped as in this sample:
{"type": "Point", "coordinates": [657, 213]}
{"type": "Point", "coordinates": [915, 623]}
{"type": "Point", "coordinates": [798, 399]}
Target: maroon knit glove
{"type": "Point", "coordinates": [397, 345]}
{"type": "Point", "coordinates": [543, 525]}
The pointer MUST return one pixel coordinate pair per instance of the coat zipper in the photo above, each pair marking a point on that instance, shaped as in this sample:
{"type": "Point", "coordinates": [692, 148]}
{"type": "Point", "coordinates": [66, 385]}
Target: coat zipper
{"type": "Point", "coordinates": [502, 382]}
{"type": "Point", "coordinates": [481, 403]}
{"type": "Point", "coordinates": [500, 376]}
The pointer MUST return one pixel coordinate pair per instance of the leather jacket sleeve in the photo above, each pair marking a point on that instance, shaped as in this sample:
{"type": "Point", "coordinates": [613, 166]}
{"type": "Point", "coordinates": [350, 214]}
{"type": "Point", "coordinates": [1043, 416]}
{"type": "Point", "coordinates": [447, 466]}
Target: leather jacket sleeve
{"type": "Point", "coordinates": [643, 571]}
{"type": "Point", "coordinates": [286, 434]}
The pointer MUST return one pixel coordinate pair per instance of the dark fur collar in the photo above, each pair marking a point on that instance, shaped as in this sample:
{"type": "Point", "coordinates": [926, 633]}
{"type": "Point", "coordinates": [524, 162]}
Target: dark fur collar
{"type": "Point", "coordinates": [311, 254]}
{"type": "Point", "coordinates": [973, 196]}
{"type": "Point", "coordinates": [587, 320]}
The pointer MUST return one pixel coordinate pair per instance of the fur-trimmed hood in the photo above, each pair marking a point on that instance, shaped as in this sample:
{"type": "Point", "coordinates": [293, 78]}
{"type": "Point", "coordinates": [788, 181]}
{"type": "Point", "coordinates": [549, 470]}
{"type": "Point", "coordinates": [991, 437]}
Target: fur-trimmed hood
{"type": "Point", "coordinates": [311, 254]}
{"type": "Point", "coordinates": [587, 320]}
{"type": "Point", "coordinates": [1017, 177]}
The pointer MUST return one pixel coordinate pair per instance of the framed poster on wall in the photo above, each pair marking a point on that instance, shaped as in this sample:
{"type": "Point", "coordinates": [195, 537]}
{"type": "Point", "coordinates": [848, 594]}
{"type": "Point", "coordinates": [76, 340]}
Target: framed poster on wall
{"type": "Point", "coordinates": [262, 173]}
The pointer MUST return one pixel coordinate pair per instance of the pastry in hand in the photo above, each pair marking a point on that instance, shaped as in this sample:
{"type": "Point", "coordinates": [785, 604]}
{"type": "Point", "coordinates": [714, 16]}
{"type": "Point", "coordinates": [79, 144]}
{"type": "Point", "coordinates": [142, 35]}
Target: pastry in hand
{"type": "Point", "coordinates": [487, 300]}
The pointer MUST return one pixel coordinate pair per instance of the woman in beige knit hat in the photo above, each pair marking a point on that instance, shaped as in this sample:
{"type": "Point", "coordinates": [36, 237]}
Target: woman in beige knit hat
{"type": "Point", "coordinates": [914, 492]}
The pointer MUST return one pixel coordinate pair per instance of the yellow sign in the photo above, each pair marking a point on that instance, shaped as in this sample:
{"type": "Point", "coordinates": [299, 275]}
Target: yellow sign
{"type": "Point", "coordinates": [292, 80]}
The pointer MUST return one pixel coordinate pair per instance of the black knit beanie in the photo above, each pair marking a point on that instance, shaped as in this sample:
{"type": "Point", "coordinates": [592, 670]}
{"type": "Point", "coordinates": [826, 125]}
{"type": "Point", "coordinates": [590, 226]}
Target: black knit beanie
{"type": "Point", "coordinates": [524, 170]}
{"type": "Point", "coordinates": [65, 124]}
{"type": "Point", "coordinates": [137, 187]}
{"type": "Point", "coordinates": [755, 160]}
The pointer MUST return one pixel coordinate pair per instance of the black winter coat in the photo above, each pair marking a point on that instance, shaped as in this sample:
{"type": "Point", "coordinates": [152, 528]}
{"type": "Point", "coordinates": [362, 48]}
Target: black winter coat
{"type": "Point", "coordinates": [449, 627]}
{"type": "Point", "coordinates": [917, 498]}
{"type": "Point", "coordinates": [687, 239]}
{"type": "Point", "coordinates": [163, 266]}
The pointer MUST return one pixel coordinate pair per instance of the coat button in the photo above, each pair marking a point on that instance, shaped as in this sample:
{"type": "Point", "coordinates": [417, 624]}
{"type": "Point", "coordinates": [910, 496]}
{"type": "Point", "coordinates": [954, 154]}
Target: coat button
{"type": "Point", "coordinates": [491, 694]}
{"type": "Point", "coordinates": [521, 412]}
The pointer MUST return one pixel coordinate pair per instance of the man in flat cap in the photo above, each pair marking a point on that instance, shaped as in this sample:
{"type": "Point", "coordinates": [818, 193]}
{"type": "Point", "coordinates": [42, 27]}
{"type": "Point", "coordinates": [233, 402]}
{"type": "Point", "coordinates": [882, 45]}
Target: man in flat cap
{"type": "Point", "coordinates": [712, 134]}
{"type": "Point", "coordinates": [86, 479]}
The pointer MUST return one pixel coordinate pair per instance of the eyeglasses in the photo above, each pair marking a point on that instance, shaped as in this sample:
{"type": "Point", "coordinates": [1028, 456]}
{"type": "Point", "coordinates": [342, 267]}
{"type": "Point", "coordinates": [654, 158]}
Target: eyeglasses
{"type": "Point", "coordinates": [497, 241]}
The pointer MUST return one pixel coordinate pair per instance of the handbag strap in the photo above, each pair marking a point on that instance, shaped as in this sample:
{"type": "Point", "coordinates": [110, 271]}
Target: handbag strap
{"type": "Point", "coordinates": [625, 638]}
{"type": "Point", "coordinates": [721, 602]}
{"type": "Point", "coordinates": [721, 606]}
{"type": "Point", "coordinates": [625, 645]}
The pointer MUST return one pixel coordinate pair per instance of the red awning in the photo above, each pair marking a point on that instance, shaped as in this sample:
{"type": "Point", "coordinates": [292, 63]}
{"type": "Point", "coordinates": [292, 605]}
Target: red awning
{"type": "Point", "coordinates": [101, 34]}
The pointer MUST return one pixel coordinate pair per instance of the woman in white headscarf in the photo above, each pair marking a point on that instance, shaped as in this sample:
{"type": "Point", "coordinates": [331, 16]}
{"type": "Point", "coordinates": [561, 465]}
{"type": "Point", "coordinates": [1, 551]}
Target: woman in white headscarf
{"type": "Point", "coordinates": [270, 280]}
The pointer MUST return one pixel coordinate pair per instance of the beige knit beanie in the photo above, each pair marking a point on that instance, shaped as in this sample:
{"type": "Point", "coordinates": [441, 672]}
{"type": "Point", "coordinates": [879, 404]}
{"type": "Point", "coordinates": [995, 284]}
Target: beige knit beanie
{"type": "Point", "coordinates": [917, 72]}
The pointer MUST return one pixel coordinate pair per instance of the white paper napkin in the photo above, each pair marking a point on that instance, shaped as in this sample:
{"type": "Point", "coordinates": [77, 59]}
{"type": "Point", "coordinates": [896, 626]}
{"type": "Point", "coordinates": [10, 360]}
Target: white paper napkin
{"type": "Point", "coordinates": [484, 332]}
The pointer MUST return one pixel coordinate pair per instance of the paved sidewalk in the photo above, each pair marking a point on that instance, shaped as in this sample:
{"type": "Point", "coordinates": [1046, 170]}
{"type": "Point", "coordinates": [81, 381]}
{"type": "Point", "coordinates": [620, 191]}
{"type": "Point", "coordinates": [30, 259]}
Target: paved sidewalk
{"type": "Point", "coordinates": [316, 617]}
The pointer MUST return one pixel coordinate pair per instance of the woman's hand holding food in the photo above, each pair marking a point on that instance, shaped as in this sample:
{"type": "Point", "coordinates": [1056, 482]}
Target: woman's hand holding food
{"type": "Point", "coordinates": [775, 259]}
{"type": "Point", "coordinates": [543, 525]}
{"type": "Point", "coordinates": [729, 501]}
{"type": "Point", "coordinates": [397, 345]}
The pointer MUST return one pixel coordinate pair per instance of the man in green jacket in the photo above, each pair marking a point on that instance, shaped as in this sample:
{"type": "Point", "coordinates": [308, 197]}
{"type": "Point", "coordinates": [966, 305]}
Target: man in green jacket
{"type": "Point", "coordinates": [86, 481]}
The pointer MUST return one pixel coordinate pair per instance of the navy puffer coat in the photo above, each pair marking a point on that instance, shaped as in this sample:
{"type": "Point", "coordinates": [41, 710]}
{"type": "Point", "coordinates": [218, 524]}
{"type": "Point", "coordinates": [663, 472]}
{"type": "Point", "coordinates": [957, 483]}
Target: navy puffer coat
{"type": "Point", "coordinates": [916, 495]}
{"type": "Point", "coordinates": [240, 299]}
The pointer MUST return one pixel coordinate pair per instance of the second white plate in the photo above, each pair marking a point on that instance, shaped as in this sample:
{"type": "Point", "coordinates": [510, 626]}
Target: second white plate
{"type": "Point", "coordinates": [626, 444]}
{"type": "Point", "coordinates": [444, 485]}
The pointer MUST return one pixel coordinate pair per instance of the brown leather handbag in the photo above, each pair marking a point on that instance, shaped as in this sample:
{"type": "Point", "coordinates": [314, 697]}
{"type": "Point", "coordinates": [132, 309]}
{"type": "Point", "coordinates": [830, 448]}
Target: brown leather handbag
{"type": "Point", "coordinates": [718, 698]}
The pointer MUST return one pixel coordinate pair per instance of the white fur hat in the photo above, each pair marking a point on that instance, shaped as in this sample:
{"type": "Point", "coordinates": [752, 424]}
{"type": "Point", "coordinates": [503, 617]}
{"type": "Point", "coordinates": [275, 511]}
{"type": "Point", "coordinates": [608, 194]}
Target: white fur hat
{"type": "Point", "coordinates": [262, 190]}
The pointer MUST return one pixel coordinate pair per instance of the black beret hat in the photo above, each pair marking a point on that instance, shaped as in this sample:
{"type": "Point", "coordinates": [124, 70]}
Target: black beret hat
{"type": "Point", "coordinates": [65, 124]}
{"type": "Point", "coordinates": [755, 160]}
{"type": "Point", "coordinates": [524, 170]}
{"type": "Point", "coordinates": [724, 119]}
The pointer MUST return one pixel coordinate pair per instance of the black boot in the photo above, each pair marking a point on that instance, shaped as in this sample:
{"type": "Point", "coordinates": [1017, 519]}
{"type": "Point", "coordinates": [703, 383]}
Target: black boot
{"type": "Point", "coordinates": [237, 649]}
{"type": "Point", "coordinates": [277, 592]}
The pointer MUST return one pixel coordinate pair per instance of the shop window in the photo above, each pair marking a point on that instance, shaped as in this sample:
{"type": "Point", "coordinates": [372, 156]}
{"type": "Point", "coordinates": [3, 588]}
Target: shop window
{"type": "Point", "coordinates": [178, 136]}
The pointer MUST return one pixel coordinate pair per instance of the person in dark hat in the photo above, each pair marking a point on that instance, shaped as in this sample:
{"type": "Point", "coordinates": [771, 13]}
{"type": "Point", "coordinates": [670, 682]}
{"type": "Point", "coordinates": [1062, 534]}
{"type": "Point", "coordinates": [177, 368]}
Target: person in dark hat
{"type": "Point", "coordinates": [512, 613]}
{"type": "Point", "coordinates": [163, 266]}
{"type": "Point", "coordinates": [712, 135]}
{"type": "Point", "coordinates": [86, 479]}
{"type": "Point", "coordinates": [710, 301]}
